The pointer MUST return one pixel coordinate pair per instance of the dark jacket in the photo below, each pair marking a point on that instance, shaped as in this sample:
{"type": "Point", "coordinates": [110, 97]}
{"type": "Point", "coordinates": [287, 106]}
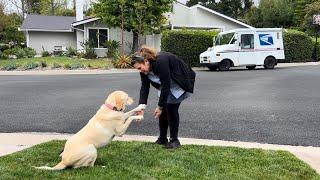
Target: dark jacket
{"type": "Point", "coordinates": [167, 66]}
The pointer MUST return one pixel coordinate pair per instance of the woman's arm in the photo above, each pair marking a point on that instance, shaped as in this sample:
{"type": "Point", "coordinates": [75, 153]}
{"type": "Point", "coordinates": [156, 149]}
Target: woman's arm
{"type": "Point", "coordinates": [144, 90]}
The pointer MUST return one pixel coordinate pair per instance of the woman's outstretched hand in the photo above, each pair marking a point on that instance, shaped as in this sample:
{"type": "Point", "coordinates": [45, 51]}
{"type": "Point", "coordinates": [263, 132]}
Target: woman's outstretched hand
{"type": "Point", "coordinates": [157, 112]}
{"type": "Point", "coordinates": [140, 113]}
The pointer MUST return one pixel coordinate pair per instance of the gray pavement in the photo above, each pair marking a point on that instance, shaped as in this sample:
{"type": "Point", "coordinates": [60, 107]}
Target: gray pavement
{"type": "Point", "coordinates": [278, 106]}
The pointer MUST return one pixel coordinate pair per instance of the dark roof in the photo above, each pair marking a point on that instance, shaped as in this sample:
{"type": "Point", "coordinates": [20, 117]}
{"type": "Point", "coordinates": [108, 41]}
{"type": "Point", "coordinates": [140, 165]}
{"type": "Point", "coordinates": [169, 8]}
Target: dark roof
{"type": "Point", "coordinates": [47, 23]}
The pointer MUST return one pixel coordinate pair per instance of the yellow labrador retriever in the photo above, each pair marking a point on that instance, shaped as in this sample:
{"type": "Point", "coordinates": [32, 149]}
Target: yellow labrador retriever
{"type": "Point", "coordinates": [81, 149]}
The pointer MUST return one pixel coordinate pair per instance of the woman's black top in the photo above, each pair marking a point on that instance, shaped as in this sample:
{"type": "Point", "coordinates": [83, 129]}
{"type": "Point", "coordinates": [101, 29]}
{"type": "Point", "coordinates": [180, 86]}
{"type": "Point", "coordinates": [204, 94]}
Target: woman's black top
{"type": "Point", "coordinates": [167, 67]}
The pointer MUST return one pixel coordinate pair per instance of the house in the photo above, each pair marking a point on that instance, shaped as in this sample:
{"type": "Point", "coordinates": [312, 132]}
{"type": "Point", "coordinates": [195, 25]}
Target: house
{"type": "Point", "coordinates": [59, 32]}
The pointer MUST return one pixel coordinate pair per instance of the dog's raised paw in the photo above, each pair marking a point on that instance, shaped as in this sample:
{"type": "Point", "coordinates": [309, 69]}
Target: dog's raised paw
{"type": "Point", "coordinates": [142, 106]}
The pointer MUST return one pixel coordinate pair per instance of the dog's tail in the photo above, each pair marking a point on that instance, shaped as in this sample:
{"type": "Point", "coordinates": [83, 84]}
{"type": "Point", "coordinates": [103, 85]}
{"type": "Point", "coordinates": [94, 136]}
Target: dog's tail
{"type": "Point", "coordinates": [59, 166]}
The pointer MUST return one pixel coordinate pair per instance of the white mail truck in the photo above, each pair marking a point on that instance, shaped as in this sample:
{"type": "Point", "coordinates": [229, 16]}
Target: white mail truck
{"type": "Point", "coordinates": [245, 47]}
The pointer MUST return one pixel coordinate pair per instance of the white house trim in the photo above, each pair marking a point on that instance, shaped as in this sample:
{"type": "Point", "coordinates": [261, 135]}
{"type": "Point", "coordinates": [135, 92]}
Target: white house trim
{"type": "Point", "coordinates": [46, 30]}
{"type": "Point", "coordinates": [198, 26]}
{"type": "Point", "coordinates": [27, 38]}
{"type": "Point", "coordinates": [84, 21]}
{"type": "Point", "coordinates": [87, 34]}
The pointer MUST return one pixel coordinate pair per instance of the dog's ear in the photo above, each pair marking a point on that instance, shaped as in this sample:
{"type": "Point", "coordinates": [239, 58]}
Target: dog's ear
{"type": "Point", "coordinates": [129, 101]}
{"type": "Point", "coordinates": [119, 101]}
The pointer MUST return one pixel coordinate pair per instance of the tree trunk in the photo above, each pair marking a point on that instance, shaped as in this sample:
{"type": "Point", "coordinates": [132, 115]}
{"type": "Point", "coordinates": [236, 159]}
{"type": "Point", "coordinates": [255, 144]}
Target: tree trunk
{"type": "Point", "coordinates": [135, 42]}
{"type": "Point", "coordinates": [52, 7]}
{"type": "Point", "coordinates": [23, 9]}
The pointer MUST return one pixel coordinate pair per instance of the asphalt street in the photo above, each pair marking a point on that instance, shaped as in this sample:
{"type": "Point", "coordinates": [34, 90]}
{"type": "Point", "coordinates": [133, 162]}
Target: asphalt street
{"type": "Point", "coordinates": [280, 106]}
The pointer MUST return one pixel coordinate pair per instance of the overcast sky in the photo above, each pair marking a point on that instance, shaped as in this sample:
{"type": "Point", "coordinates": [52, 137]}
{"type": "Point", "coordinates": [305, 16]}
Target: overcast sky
{"type": "Point", "coordinates": [11, 8]}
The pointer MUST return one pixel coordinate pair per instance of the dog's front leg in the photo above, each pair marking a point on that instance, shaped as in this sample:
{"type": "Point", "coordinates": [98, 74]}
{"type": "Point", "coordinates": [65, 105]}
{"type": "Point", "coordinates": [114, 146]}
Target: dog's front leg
{"type": "Point", "coordinates": [120, 130]}
{"type": "Point", "coordinates": [133, 111]}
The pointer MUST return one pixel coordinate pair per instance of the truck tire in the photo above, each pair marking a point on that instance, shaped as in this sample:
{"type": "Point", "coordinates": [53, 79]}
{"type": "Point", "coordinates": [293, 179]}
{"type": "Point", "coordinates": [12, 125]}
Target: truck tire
{"type": "Point", "coordinates": [224, 65]}
{"type": "Point", "coordinates": [251, 67]}
{"type": "Point", "coordinates": [212, 68]}
{"type": "Point", "coordinates": [269, 63]}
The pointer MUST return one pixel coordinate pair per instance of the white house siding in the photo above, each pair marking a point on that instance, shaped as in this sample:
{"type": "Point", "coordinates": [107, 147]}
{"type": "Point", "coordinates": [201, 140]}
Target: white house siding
{"type": "Point", "coordinates": [205, 18]}
{"type": "Point", "coordinates": [180, 14]}
{"type": "Point", "coordinates": [48, 40]}
{"type": "Point", "coordinates": [154, 41]}
{"type": "Point", "coordinates": [195, 17]}
{"type": "Point", "coordinates": [114, 34]}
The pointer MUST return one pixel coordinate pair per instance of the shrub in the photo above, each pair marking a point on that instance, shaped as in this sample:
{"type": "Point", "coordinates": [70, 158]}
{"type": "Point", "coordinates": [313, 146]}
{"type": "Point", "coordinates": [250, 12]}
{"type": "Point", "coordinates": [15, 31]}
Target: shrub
{"type": "Point", "coordinates": [4, 47]}
{"type": "Point", "coordinates": [45, 53]}
{"type": "Point", "coordinates": [31, 65]}
{"type": "Point", "coordinates": [19, 52]}
{"type": "Point", "coordinates": [7, 52]}
{"type": "Point", "coordinates": [66, 66]}
{"type": "Point", "coordinates": [298, 46]}
{"type": "Point", "coordinates": [3, 56]}
{"type": "Point", "coordinates": [187, 44]}
{"type": "Point", "coordinates": [43, 64]}
{"type": "Point", "coordinates": [89, 52]}
{"type": "Point", "coordinates": [71, 52]}
{"type": "Point", "coordinates": [122, 61]}
{"type": "Point", "coordinates": [80, 55]}
{"type": "Point", "coordinates": [113, 47]}
{"type": "Point", "coordinates": [76, 66]}
{"type": "Point", "coordinates": [56, 65]}
{"type": "Point", "coordinates": [30, 53]}
{"type": "Point", "coordinates": [10, 66]}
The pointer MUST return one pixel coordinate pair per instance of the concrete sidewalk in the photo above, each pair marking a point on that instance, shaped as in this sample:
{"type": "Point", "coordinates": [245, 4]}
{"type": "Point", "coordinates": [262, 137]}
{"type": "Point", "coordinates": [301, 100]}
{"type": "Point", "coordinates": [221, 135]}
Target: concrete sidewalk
{"type": "Point", "coordinates": [13, 142]}
{"type": "Point", "coordinates": [112, 71]}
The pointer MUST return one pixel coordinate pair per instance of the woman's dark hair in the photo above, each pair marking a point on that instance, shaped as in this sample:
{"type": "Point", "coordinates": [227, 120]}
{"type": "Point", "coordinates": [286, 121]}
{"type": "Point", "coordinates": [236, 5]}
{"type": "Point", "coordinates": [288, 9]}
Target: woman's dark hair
{"type": "Point", "coordinates": [145, 52]}
{"type": "Point", "coordinates": [137, 59]}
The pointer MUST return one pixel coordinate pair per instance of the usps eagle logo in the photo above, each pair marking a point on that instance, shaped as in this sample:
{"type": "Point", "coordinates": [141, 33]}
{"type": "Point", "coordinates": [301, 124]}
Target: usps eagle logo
{"type": "Point", "coordinates": [266, 39]}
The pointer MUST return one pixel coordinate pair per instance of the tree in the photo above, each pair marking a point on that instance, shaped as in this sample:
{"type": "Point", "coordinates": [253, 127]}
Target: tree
{"type": "Point", "coordinates": [11, 34]}
{"type": "Point", "coordinates": [232, 8]}
{"type": "Point", "coordinates": [254, 17]}
{"type": "Point", "coordinates": [52, 7]}
{"type": "Point", "coordinates": [299, 11]}
{"type": "Point", "coordinates": [310, 10]}
{"type": "Point", "coordinates": [272, 13]}
{"type": "Point", "coordinates": [211, 4]}
{"type": "Point", "coordinates": [140, 16]}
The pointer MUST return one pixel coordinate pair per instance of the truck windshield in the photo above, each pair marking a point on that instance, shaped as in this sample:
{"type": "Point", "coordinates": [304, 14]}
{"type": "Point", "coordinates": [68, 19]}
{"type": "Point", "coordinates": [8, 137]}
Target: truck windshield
{"type": "Point", "coordinates": [224, 39]}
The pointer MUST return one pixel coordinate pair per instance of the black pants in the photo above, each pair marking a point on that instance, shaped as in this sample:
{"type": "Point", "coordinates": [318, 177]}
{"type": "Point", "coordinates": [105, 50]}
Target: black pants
{"type": "Point", "coordinates": [169, 118]}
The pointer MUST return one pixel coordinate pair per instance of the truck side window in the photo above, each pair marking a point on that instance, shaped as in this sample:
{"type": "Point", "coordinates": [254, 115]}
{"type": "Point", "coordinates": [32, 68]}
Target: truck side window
{"type": "Point", "coordinates": [247, 41]}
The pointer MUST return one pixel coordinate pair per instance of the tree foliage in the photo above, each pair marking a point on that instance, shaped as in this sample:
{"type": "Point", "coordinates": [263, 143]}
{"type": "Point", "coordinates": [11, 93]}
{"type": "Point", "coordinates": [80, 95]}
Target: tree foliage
{"type": "Point", "coordinates": [310, 10]}
{"type": "Point", "coordinates": [232, 8]}
{"type": "Point", "coordinates": [272, 13]}
{"type": "Point", "coordinates": [140, 16]}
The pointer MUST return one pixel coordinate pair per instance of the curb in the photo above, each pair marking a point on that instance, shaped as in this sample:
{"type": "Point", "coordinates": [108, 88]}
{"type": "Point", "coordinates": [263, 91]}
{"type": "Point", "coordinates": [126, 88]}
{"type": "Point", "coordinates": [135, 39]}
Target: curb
{"type": "Point", "coordinates": [13, 142]}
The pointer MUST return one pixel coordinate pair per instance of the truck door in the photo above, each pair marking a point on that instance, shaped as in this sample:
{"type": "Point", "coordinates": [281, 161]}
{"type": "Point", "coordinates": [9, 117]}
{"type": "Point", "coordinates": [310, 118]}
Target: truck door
{"type": "Point", "coordinates": [246, 49]}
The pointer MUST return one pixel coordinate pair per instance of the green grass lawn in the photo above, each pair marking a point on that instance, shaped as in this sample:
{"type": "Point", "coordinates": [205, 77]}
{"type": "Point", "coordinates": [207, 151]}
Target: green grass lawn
{"type": "Point", "coordinates": [62, 61]}
{"type": "Point", "coordinates": [140, 160]}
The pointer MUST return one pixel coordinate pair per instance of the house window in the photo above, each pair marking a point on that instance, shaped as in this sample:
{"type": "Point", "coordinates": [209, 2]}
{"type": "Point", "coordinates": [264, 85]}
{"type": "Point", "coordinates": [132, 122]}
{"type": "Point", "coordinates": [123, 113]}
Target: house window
{"type": "Point", "coordinates": [247, 41]}
{"type": "Point", "coordinates": [98, 37]}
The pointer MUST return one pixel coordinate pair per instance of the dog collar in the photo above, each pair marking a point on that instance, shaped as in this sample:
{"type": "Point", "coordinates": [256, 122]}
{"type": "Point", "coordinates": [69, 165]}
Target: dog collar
{"type": "Point", "coordinates": [111, 107]}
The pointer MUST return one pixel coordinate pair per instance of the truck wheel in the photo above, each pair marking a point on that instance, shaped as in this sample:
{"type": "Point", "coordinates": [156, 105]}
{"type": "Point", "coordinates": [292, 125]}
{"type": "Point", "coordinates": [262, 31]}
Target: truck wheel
{"type": "Point", "coordinates": [224, 65]}
{"type": "Point", "coordinates": [213, 68]}
{"type": "Point", "coordinates": [269, 63]}
{"type": "Point", "coordinates": [251, 67]}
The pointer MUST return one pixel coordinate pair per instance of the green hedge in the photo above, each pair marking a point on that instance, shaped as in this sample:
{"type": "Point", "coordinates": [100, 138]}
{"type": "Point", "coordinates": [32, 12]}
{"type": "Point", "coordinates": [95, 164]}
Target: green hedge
{"type": "Point", "coordinates": [187, 44]}
{"type": "Point", "coordinates": [298, 46]}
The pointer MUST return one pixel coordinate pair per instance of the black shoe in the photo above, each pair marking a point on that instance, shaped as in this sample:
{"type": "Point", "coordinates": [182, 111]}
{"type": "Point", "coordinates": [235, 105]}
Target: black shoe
{"type": "Point", "coordinates": [173, 144]}
{"type": "Point", "coordinates": [162, 141]}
